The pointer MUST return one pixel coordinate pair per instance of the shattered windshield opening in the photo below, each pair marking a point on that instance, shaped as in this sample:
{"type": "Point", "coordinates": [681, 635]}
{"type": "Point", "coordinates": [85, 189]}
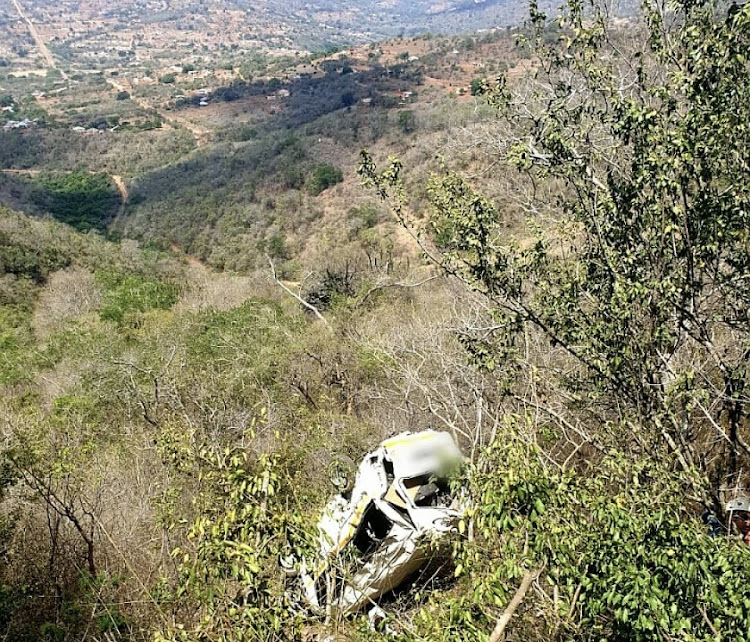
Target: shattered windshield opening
{"type": "Point", "coordinates": [374, 529]}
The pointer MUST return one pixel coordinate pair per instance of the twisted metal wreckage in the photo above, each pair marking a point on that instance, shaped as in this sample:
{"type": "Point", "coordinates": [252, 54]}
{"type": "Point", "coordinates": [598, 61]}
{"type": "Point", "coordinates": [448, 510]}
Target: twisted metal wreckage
{"type": "Point", "coordinates": [386, 528]}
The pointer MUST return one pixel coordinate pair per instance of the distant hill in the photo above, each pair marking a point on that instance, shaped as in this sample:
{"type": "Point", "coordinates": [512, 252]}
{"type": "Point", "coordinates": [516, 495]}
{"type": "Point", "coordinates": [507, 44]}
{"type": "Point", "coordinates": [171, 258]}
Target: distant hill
{"type": "Point", "coordinates": [295, 24]}
{"type": "Point", "coordinates": [361, 20]}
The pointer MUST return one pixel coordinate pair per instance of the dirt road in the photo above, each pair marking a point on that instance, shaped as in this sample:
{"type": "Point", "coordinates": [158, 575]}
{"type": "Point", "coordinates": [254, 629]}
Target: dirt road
{"type": "Point", "coordinates": [124, 196]}
{"type": "Point", "coordinates": [22, 172]}
{"type": "Point", "coordinates": [39, 41]}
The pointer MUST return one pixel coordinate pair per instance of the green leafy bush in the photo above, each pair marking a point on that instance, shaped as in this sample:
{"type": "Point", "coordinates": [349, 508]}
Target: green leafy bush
{"type": "Point", "coordinates": [128, 296]}
{"type": "Point", "coordinates": [407, 121]}
{"type": "Point", "coordinates": [251, 515]}
{"type": "Point", "coordinates": [323, 177]}
{"type": "Point", "coordinates": [35, 263]}
{"type": "Point", "coordinates": [478, 86]}
{"type": "Point", "coordinates": [620, 556]}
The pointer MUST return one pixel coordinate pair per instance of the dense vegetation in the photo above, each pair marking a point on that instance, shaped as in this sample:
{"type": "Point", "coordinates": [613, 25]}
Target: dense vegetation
{"type": "Point", "coordinates": [582, 330]}
{"type": "Point", "coordinates": [123, 153]}
{"type": "Point", "coordinates": [84, 201]}
{"type": "Point", "coordinates": [627, 320]}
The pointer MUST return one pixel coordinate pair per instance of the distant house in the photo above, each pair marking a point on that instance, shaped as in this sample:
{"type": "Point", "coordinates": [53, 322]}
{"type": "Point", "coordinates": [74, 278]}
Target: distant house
{"type": "Point", "coordinates": [18, 124]}
{"type": "Point", "coordinates": [366, 101]}
{"type": "Point", "coordinates": [283, 93]}
{"type": "Point", "coordinates": [203, 103]}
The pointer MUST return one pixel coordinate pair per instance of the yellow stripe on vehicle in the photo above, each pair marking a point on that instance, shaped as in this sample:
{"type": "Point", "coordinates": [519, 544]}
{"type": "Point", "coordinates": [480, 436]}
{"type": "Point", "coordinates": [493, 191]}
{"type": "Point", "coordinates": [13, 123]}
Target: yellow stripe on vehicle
{"type": "Point", "coordinates": [353, 525]}
{"type": "Point", "coordinates": [400, 441]}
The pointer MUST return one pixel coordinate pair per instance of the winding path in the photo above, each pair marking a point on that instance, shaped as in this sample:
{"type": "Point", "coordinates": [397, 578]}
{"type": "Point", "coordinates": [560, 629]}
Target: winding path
{"type": "Point", "coordinates": [124, 197]}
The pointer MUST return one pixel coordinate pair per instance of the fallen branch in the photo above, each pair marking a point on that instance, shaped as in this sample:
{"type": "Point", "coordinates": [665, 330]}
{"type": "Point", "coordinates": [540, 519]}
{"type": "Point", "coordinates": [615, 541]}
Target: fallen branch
{"type": "Point", "coordinates": [504, 619]}
{"type": "Point", "coordinates": [307, 305]}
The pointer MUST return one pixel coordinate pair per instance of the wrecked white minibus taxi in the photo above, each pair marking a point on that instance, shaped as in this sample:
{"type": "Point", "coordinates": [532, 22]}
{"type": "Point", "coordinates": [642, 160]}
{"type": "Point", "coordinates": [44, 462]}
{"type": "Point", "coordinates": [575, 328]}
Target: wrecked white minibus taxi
{"type": "Point", "coordinates": [386, 528]}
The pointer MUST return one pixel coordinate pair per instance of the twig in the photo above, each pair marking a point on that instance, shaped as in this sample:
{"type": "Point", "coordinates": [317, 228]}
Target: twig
{"type": "Point", "coordinates": [130, 568]}
{"type": "Point", "coordinates": [502, 622]}
{"type": "Point", "coordinates": [574, 600]}
{"type": "Point", "coordinates": [702, 610]}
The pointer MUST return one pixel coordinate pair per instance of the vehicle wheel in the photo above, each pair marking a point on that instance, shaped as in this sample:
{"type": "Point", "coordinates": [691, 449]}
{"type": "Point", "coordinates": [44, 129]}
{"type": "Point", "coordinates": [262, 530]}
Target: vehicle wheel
{"type": "Point", "coordinates": [342, 472]}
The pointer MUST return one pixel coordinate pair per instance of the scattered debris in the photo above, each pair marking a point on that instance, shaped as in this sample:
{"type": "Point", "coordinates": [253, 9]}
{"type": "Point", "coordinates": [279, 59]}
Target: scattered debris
{"type": "Point", "coordinates": [378, 534]}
